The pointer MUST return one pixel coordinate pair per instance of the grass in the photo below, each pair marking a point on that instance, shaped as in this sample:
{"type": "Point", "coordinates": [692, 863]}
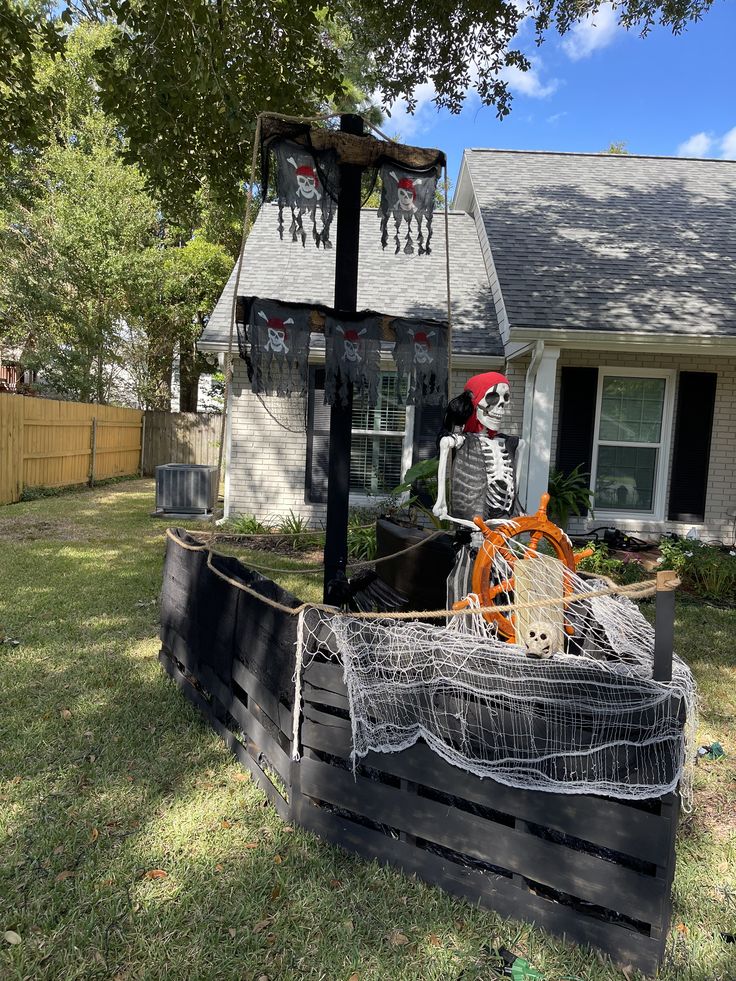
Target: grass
{"type": "Point", "coordinates": [133, 846]}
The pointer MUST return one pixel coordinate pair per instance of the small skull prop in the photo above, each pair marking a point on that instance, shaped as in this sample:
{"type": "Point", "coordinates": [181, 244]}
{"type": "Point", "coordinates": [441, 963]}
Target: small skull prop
{"type": "Point", "coordinates": [422, 353]}
{"type": "Point", "coordinates": [494, 405]}
{"type": "Point", "coordinates": [541, 639]}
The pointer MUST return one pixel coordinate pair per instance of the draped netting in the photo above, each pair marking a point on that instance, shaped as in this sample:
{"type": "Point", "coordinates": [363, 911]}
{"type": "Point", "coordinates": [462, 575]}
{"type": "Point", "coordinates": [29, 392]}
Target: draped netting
{"type": "Point", "coordinates": [587, 719]}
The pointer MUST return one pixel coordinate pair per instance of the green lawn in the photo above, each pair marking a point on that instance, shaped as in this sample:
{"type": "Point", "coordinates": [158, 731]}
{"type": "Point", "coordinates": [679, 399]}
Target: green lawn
{"type": "Point", "coordinates": [108, 775]}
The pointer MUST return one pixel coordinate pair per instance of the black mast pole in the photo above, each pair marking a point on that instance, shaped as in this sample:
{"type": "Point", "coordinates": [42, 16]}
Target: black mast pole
{"type": "Point", "coordinates": [341, 416]}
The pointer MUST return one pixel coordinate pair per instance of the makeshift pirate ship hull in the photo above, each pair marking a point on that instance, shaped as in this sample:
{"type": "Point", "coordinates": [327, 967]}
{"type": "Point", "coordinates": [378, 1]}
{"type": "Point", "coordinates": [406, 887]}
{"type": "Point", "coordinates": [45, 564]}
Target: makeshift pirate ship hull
{"type": "Point", "coordinates": [594, 869]}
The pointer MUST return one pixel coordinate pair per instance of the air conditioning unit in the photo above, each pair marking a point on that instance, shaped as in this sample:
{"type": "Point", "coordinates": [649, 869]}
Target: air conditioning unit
{"type": "Point", "coordinates": [186, 488]}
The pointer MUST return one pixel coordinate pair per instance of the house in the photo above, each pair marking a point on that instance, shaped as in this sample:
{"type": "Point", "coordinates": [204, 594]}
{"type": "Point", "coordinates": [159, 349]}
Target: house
{"type": "Point", "coordinates": [604, 285]}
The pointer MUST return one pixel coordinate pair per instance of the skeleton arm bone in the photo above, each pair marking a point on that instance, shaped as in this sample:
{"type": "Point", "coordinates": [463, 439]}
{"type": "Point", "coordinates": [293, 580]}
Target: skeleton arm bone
{"type": "Point", "coordinates": [447, 443]}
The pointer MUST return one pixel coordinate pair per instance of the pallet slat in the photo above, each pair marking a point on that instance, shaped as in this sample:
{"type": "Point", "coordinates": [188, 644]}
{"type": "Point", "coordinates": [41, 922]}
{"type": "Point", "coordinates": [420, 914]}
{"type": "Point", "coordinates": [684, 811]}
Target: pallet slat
{"type": "Point", "coordinates": [591, 878]}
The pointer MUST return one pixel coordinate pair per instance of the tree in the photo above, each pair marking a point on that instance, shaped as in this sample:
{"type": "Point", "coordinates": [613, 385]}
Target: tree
{"type": "Point", "coordinates": [187, 80]}
{"type": "Point", "coordinates": [68, 260]}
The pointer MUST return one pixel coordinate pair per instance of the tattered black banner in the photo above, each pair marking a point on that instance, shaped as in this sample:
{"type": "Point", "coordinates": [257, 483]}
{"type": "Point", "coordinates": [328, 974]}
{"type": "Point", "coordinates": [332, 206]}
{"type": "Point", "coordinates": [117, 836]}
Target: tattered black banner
{"type": "Point", "coordinates": [307, 183]}
{"type": "Point", "coordinates": [278, 335]}
{"type": "Point", "coordinates": [408, 197]}
{"type": "Point", "coordinates": [420, 354]}
{"type": "Point", "coordinates": [352, 354]}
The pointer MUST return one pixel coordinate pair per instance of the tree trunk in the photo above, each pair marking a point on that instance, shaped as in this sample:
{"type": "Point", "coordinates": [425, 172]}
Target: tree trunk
{"type": "Point", "coordinates": [189, 372]}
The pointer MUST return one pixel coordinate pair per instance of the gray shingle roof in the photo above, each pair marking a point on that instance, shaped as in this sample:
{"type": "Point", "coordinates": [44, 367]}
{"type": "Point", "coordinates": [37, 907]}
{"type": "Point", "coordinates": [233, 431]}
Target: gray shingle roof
{"type": "Point", "coordinates": [611, 242]}
{"type": "Point", "coordinates": [392, 284]}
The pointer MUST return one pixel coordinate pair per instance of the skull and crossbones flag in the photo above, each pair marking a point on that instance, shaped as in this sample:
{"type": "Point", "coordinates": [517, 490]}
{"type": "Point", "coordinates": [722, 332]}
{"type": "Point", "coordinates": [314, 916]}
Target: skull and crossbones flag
{"type": "Point", "coordinates": [274, 342]}
{"type": "Point", "coordinates": [407, 196]}
{"type": "Point", "coordinates": [352, 354]}
{"type": "Point", "coordinates": [307, 183]}
{"type": "Point", "coordinates": [420, 355]}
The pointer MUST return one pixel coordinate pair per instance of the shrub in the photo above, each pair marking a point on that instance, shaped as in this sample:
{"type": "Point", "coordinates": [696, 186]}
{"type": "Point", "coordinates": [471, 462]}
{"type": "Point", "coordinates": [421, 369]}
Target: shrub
{"type": "Point", "coordinates": [362, 535]}
{"type": "Point", "coordinates": [295, 528]}
{"type": "Point", "coordinates": [247, 524]}
{"type": "Point", "coordinates": [705, 570]}
{"type": "Point", "coordinates": [622, 571]}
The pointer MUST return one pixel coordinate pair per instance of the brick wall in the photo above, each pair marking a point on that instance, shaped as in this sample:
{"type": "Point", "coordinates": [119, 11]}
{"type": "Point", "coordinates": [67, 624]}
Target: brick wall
{"type": "Point", "coordinates": [721, 493]}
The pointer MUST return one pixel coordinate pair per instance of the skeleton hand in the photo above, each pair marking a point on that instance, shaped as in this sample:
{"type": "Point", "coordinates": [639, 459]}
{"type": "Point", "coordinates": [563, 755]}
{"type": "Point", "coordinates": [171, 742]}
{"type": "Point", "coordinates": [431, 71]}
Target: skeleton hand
{"type": "Point", "coordinates": [497, 522]}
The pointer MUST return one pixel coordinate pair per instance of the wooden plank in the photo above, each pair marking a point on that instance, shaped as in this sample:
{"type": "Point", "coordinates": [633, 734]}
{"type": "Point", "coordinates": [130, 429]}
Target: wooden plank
{"type": "Point", "coordinates": [11, 447]}
{"type": "Point", "coordinates": [279, 760]}
{"type": "Point", "coordinates": [282, 806]}
{"type": "Point", "coordinates": [326, 675]}
{"type": "Point", "coordinates": [577, 873]}
{"type": "Point", "coordinates": [277, 712]}
{"type": "Point", "coordinates": [625, 946]}
{"type": "Point", "coordinates": [609, 824]}
{"type": "Point", "coordinates": [324, 697]}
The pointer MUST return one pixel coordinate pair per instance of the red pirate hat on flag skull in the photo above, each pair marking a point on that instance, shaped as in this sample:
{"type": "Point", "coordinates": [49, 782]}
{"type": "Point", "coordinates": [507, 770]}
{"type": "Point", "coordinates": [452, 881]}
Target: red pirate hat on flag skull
{"type": "Point", "coordinates": [421, 338]}
{"type": "Point", "coordinates": [407, 184]}
{"type": "Point", "coordinates": [478, 385]}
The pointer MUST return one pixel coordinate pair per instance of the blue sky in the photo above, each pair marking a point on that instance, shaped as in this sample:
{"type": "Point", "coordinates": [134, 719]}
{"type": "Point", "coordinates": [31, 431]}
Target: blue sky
{"type": "Point", "coordinates": [662, 95]}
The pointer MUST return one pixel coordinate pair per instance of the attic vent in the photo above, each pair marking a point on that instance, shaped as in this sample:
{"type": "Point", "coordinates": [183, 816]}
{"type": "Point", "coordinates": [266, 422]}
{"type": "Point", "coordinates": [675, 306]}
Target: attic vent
{"type": "Point", "coordinates": [186, 488]}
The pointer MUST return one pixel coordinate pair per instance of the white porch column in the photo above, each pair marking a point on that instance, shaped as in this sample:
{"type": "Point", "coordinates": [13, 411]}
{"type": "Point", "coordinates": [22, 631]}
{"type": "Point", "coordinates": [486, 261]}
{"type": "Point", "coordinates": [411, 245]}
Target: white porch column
{"type": "Point", "coordinates": [538, 412]}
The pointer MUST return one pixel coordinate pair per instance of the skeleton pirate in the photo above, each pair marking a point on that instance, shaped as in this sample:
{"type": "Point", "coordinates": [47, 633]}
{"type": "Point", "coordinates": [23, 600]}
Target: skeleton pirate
{"type": "Point", "coordinates": [484, 473]}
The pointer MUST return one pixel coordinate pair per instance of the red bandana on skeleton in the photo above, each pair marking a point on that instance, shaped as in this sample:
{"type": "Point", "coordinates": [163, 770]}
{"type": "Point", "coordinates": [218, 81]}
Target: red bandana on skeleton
{"type": "Point", "coordinates": [307, 171]}
{"type": "Point", "coordinates": [478, 385]}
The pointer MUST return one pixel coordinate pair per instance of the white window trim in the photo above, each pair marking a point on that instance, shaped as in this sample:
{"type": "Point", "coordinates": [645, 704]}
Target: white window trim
{"type": "Point", "coordinates": [665, 444]}
{"type": "Point", "coordinates": [407, 450]}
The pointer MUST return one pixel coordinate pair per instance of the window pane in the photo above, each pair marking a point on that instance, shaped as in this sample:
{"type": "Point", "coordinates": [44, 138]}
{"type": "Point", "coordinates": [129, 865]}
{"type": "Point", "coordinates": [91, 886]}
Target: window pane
{"type": "Point", "coordinates": [631, 409]}
{"type": "Point", "coordinates": [625, 478]}
{"type": "Point", "coordinates": [375, 464]}
{"type": "Point", "coordinates": [388, 414]}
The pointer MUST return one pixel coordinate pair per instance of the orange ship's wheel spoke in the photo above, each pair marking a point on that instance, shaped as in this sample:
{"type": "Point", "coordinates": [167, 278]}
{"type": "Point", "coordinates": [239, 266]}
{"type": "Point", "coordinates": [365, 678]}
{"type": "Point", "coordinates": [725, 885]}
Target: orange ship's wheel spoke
{"type": "Point", "coordinates": [535, 540]}
{"type": "Point", "coordinates": [507, 586]}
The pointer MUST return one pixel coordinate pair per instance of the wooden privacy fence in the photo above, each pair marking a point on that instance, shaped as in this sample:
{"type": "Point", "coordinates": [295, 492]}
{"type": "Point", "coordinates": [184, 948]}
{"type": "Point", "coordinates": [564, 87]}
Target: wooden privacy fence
{"type": "Point", "coordinates": [180, 437]}
{"type": "Point", "coordinates": [45, 443]}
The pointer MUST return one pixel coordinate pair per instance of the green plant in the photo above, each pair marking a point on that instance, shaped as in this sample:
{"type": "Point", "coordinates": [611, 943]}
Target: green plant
{"type": "Point", "coordinates": [569, 493]}
{"type": "Point", "coordinates": [299, 536]}
{"type": "Point", "coordinates": [706, 570]}
{"type": "Point", "coordinates": [623, 571]}
{"type": "Point", "coordinates": [420, 481]}
{"type": "Point", "coordinates": [247, 524]}
{"type": "Point", "coordinates": [362, 544]}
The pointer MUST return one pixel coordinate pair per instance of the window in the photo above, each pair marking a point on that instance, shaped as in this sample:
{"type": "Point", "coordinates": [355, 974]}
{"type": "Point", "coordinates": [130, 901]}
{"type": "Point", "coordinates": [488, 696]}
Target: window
{"type": "Point", "coordinates": [632, 438]}
{"type": "Point", "coordinates": [381, 448]}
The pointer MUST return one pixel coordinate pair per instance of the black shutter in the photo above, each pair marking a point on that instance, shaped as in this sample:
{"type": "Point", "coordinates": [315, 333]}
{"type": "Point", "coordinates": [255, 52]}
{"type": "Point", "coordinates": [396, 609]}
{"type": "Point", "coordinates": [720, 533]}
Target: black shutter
{"type": "Point", "coordinates": [578, 394]}
{"type": "Point", "coordinates": [318, 438]}
{"type": "Point", "coordinates": [696, 401]}
{"type": "Point", "coordinates": [427, 425]}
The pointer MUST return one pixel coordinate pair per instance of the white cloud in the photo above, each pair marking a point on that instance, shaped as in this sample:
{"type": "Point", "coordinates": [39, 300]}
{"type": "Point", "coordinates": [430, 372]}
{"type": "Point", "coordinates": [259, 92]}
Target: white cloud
{"type": "Point", "coordinates": [698, 145]}
{"type": "Point", "coordinates": [556, 117]}
{"type": "Point", "coordinates": [728, 145]}
{"type": "Point", "coordinates": [529, 83]}
{"type": "Point", "coordinates": [592, 33]}
{"type": "Point", "coordinates": [404, 124]}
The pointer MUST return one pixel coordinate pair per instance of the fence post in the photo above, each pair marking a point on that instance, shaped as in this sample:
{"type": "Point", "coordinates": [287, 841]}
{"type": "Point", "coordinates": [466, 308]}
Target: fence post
{"type": "Point", "coordinates": [664, 625]}
{"type": "Point", "coordinates": [94, 452]}
{"type": "Point", "coordinates": [143, 441]}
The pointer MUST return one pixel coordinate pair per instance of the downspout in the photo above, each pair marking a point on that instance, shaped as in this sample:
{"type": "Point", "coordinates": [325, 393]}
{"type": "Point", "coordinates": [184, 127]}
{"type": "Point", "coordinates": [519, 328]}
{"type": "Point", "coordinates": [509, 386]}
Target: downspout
{"type": "Point", "coordinates": [528, 421]}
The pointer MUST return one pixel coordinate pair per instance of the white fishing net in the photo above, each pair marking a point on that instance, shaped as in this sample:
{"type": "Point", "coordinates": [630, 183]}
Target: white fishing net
{"type": "Point", "coordinates": [587, 719]}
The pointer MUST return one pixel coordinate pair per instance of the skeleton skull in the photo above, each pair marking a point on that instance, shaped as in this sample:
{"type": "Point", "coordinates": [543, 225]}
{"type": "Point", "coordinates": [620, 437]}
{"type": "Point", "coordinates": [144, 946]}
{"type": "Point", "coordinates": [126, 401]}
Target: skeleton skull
{"type": "Point", "coordinates": [541, 639]}
{"type": "Point", "coordinates": [421, 353]}
{"type": "Point", "coordinates": [493, 406]}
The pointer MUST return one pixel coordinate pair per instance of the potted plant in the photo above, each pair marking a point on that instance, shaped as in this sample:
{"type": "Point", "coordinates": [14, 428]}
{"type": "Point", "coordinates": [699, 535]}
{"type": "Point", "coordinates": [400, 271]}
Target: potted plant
{"type": "Point", "coordinates": [568, 494]}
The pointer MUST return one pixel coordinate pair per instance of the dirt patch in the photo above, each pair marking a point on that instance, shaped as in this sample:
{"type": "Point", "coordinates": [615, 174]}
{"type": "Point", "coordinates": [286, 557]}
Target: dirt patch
{"type": "Point", "coordinates": [30, 529]}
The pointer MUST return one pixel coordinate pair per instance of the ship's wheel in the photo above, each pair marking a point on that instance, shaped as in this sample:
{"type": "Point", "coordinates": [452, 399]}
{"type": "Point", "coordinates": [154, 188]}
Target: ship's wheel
{"type": "Point", "coordinates": [530, 531]}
